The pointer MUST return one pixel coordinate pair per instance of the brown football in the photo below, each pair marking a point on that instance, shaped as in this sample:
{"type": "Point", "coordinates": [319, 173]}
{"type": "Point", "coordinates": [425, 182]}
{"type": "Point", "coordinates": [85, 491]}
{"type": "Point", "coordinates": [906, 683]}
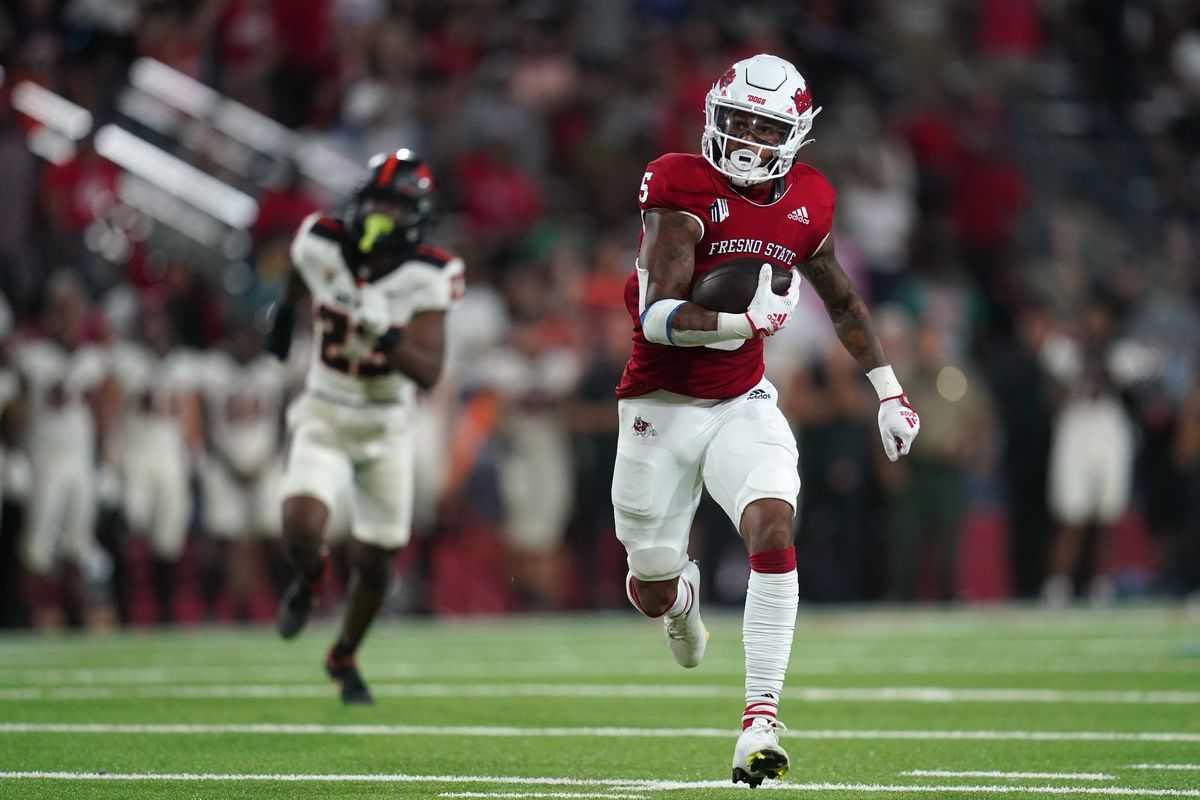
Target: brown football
{"type": "Point", "coordinates": [730, 285]}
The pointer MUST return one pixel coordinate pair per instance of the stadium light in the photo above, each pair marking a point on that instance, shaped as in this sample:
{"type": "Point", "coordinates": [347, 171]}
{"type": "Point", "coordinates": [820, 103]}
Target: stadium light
{"type": "Point", "coordinates": [51, 145]}
{"type": "Point", "coordinates": [169, 210]}
{"type": "Point", "coordinates": [52, 110]}
{"type": "Point", "coordinates": [158, 167]}
{"type": "Point", "coordinates": [173, 87]}
{"type": "Point", "coordinates": [316, 160]}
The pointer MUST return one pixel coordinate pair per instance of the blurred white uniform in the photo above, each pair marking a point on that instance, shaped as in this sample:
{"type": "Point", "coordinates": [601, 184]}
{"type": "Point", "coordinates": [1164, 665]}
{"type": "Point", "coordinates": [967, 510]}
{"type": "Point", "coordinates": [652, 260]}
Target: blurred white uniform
{"type": "Point", "coordinates": [1091, 456]}
{"type": "Point", "coordinates": [155, 462]}
{"type": "Point", "coordinates": [243, 404]}
{"type": "Point", "coordinates": [536, 476]}
{"type": "Point", "coordinates": [60, 438]}
{"type": "Point", "coordinates": [351, 430]}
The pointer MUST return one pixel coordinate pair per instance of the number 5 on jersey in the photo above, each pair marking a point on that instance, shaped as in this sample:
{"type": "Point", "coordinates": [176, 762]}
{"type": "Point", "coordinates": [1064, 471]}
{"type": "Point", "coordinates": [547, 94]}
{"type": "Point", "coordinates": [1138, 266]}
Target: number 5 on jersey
{"type": "Point", "coordinates": [644, 192]}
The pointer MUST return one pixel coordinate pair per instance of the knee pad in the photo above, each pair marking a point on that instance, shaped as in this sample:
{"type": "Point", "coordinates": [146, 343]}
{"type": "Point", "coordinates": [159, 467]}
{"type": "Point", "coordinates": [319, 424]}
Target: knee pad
{"type": "Point", "coordinates": [656, 563]}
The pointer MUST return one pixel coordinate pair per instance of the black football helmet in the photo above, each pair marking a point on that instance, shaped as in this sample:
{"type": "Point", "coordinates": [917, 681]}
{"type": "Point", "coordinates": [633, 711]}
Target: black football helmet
{"type": "Point", "coordinates": [393, 206]}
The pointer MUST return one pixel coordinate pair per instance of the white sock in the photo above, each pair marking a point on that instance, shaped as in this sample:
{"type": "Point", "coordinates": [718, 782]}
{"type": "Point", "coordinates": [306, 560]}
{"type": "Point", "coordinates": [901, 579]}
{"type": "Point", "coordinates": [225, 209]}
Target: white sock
{"type": "Point", "coordinates": [767, 629]}
{"type": "Point", "coordinates": [683, 597]}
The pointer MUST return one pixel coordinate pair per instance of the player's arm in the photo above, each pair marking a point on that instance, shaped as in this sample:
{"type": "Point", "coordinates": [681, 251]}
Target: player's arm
{"type": "Point", "coordinates": [668, 255]}
{"type": "Point", "coordinates": [898, 420]}
{"type": "Point", "coordinates": [283, 314]}
{"type": "Point", "coordinates": [419, 349]}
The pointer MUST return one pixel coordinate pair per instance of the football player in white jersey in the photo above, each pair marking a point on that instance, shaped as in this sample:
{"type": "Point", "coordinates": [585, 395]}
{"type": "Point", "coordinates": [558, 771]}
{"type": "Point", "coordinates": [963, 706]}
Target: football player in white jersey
{"type": "Point", "coordinates": [68, 412]}
{"type": "Point", "coordinates": [243, 390]}
{"type": "Point", "coordinates": [159, 437]}
{"type": "Point", "coordinates": [379, 298]}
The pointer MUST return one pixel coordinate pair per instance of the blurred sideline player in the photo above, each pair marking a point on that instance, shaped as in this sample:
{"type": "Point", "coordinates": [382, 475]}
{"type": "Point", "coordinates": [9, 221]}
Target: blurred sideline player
{"type": "Point", "coordinates": [243, 392]}
{"type": "Point", "coordinates": [69, 409]}
{"type": "Point", "coordinates": [379, 297]}
{"type": "Point", "coordinates": [159, 436]}
{"type": "Point", "coordinates": [695, 410]}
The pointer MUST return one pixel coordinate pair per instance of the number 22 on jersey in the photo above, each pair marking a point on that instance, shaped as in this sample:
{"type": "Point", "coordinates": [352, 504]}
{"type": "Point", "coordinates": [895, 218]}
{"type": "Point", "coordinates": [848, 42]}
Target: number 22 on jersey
{"type": "Point", "coordinates": [335, 333]}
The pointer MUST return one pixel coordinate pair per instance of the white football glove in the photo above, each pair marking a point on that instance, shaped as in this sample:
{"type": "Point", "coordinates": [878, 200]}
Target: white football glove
{"type": "Point", "coordinates": [769, 312]}
{"type": "Point", "coordinates": [898, 425]}
{"type": "Point", "coordinates": [372, 311]}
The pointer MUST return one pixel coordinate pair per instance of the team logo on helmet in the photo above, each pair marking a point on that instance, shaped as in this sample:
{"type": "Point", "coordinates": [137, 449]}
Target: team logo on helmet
{"type": "Point", "coordinates": [727, 78]}
{"type": "Point", "coordinates": [802, 99]}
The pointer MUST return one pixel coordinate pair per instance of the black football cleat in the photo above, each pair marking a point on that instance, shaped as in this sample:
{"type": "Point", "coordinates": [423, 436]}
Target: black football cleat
{"type": "Point", "coordinates": [344, 672]}
{"type": "Point", "coordinates": [294, 608]}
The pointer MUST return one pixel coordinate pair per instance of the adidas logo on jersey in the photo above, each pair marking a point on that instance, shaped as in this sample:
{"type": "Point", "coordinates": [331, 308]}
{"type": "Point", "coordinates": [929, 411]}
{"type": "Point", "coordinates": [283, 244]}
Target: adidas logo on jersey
{"type": "Point", "coordinates": [800, 215]}
{"type": "Point", "coordinates": [719, 210]}
{"type": "Point", "coordinates": [759, 394]}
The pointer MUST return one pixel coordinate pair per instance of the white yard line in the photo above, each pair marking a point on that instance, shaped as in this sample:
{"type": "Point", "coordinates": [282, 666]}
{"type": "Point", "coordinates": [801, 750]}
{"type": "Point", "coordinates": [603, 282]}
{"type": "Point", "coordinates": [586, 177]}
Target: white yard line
{"type": "Point", "coordinates": [1180, 767]}
{"type": "Point", "coordinates": [814, 694]}
{"type": "Point", "coordinates": [524, 668]}
{"type": "Point", "coordinates": [495, 731]}
{"type": "Point", "coordinates": [618, 784]}
{"type": "Point", "coordinates": [972, 773]}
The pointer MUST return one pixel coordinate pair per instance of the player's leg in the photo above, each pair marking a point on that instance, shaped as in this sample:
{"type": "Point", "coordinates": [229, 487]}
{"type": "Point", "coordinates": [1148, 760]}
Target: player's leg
{"type": "Point", "coordinates": [79, 526]}
{"type": "Point", "coordinates": [168, 529]}
{"type": "Point", "coordinates": [1070, 499]}
{"type": "Point", "coordinates": [382, 524]}
{"type": "Point", "coordinates": [750, 470]}
{"type": "Point", "coordinates": [655, 492]}
{"type": "Point", "coordinates": [316, 473]}
{"type": "Point", "coordinates": [50, 503]}
{"type": "Point", "coordinates": [370, 574]}
{"type": "Point", "coordinates": [231, 513]}
{"type": "Point", "coordinates": [1112, 455]}
{"type": "Point", "coordinates": [265, 520]}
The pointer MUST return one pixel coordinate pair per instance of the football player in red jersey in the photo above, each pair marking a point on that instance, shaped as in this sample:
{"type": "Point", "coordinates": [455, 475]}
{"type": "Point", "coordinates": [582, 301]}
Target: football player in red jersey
{"type": "Point", "coordinates": [380, 297]}
{"type": "Point", "coordinates": [695, 409]}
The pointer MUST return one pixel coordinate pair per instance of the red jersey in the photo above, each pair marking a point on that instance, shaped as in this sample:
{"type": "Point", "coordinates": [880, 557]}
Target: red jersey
{"type": "Point", "coordinates": [787, 231]}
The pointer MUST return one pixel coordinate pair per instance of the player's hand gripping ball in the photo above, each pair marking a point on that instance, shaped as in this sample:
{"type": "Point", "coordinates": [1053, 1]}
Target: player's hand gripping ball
{"type": "Point", "coordinates": [731, 285]}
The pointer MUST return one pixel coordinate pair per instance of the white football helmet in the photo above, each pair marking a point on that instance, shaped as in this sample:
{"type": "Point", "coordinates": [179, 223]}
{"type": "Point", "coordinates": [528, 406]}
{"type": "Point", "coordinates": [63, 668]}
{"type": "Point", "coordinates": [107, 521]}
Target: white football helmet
{"type": "Point", "coordinates": [766, 87]}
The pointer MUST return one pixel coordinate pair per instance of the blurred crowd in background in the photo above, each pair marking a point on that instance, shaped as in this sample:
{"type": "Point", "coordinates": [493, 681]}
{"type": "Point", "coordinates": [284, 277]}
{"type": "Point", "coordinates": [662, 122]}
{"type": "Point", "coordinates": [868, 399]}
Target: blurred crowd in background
{"type": "Point", "coordinates": [1018, 199]}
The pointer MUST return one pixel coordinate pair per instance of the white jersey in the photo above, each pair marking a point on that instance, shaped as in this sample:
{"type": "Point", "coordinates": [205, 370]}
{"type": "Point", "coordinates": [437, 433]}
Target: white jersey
{"type": "Point", "coordinates": [428, 279]}
{"type": "Point", "coordinates": [243, 406]}
{"type": "Point", "coordinates": [57, 382]}
{"type": "Point", "coordinates": [152, 391]}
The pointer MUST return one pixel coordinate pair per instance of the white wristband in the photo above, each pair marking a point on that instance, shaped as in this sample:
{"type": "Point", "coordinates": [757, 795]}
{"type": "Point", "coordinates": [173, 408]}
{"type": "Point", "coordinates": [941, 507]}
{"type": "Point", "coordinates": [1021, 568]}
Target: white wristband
{"type": "Point", "coordinates": [656, 327]}
{"type": "Point", "coordinates": [656, 320]}
{"type": "Point", "coordinates": [885, 383]}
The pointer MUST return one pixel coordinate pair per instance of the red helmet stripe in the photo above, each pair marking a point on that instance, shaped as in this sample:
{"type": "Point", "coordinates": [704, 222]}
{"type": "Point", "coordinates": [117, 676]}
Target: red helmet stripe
{"type": "Point", "coordinates": [389, 169]}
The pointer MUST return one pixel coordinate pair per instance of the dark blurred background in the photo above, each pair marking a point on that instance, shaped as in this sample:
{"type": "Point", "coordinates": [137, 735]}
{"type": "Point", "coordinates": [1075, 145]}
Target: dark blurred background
{"type": "Point", "coordinates": [1018, 198]}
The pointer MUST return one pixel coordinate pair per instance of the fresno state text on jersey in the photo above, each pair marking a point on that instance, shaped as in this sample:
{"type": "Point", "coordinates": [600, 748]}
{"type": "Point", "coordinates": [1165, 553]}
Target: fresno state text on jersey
{"type": "Point", "coordinates": [787, 230]}
{"type": "Point", "coordinates": [424, 279]}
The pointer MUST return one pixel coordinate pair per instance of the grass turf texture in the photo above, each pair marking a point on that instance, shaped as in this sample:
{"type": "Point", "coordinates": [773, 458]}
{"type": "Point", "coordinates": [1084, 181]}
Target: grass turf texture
{"type": "Point", "coordinates": [871, 696]}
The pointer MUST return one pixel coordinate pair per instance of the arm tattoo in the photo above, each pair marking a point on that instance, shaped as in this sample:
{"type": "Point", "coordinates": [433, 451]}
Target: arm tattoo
{"type": "Point", "coordinates": [669, 255]}
{"type": "Point", "coordinates": [846, 309]}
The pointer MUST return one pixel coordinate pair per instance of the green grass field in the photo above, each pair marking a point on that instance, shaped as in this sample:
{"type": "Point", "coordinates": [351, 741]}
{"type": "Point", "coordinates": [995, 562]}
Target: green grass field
{"type": "Point", "coordinates": [957, 704]}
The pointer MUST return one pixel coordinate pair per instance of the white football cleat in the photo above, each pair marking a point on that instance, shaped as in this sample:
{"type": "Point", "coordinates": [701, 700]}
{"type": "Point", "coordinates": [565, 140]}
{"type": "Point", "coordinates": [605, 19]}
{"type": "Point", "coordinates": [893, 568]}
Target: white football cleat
{"type": "Point", "coordinates": [758, 755]}
{"type": "Point", "coordinates": [686, 633]}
